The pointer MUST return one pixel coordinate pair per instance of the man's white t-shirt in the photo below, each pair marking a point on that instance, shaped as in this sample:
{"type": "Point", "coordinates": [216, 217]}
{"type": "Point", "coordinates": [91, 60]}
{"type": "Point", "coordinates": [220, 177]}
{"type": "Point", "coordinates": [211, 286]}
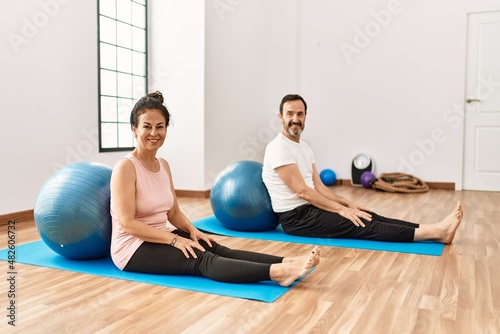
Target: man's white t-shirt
{"type": "Point", "coordinates": [279, 152]}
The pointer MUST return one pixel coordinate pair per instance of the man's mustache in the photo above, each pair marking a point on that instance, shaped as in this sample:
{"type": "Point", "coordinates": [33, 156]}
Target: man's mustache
{"type": "Point", "coordinates": [294, 123]}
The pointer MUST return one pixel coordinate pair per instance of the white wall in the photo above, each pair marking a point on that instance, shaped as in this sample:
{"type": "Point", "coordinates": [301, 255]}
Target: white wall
{"type": "Point", "coordinates": [177, 69]}
{"type": "Point", "coordinates": [49, 91]}
{"type": "Point", "coordinates": [224, 70]}
{"type": "Point", "coordinates": [379, 78]}
{"type": "Point", "coordinates": [251, 63]}
{"type": "Point", "coordinates": [49, 94]}
{"type": "Point", "coordinates": [384, 77]}
{"type": "Point", "coordinates": [235, 83]}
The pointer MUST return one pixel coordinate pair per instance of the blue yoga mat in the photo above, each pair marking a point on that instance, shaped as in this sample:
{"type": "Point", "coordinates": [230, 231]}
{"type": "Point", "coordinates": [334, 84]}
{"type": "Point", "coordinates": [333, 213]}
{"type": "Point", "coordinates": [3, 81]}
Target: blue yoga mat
{"type": "Point", "coordinates": [212, 225]}
{"type": "Point", "coordinates": [39, 254]}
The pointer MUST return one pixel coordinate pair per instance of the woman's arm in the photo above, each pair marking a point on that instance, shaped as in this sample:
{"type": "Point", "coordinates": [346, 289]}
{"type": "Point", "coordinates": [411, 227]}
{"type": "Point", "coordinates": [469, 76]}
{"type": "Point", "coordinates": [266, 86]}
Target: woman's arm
{"type": "Point", "coordinates": [123, 187]}
{"type": "Point", "coordinates": [177, 218]}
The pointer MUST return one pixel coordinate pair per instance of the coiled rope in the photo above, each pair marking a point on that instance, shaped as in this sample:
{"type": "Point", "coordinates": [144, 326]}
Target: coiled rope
{"type": "Point", "coordinates": [399, 183]}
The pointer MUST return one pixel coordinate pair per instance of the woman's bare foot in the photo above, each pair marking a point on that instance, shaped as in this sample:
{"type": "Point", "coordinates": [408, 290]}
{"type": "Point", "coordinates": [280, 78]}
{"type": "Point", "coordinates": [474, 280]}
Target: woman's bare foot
{"type": "Point", "coordinates": [289, 271]}
{"type": "Point", "coordinates": [315, 253]}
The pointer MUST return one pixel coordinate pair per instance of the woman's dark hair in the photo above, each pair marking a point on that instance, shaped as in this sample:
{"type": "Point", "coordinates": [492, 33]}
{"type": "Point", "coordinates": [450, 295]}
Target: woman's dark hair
{"type": "Point", "coordinates": [292, 97]}
{"type": "Point", "coordinates": [150, 101]}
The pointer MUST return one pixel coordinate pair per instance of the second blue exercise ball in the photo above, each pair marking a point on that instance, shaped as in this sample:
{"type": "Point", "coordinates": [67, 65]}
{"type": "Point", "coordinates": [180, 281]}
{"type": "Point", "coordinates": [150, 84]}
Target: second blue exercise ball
{"type": "Point", "coordinates": [240, 200]}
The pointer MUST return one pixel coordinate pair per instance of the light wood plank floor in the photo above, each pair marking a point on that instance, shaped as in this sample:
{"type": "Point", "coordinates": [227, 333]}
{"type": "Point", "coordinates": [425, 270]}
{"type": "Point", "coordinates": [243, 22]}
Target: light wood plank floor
{"type": "Point", "coordinates": [351, 291]}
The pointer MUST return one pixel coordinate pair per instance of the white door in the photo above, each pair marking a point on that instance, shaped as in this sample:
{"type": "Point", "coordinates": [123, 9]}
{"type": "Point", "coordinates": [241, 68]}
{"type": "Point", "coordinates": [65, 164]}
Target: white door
{"type": "Point", "coordinates": [482, 103]}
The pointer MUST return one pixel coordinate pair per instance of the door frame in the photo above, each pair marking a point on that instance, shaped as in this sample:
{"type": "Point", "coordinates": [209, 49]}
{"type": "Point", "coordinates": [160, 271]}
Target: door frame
{"type": "Point", "coordinates": [464, 14]}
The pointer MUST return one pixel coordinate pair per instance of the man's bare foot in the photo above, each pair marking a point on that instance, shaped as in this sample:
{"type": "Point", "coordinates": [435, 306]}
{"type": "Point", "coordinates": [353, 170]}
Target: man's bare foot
{"type": "Point", "coordinates": [448, 226]}
{"type": "Point", "coordinates": [289, 271]}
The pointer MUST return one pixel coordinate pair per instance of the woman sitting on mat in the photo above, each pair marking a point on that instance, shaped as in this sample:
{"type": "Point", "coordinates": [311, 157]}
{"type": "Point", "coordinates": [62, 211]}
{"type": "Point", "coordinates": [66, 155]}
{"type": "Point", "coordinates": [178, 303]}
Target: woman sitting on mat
{"type": "Point", "coordinates": [152, 235]}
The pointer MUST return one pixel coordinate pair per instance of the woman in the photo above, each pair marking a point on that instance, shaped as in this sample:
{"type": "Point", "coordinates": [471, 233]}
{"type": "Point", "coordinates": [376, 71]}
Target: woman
{"type": "Point", "coordinates": [152, 235]}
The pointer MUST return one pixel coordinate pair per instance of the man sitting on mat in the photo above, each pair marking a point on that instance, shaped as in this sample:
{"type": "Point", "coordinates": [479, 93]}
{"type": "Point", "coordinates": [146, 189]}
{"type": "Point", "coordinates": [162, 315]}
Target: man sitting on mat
{"type": "Point", "coordinates": [306, 207]}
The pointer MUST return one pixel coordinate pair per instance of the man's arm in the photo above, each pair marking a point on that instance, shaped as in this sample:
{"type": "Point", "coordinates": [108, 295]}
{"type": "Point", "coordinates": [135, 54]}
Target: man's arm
{"type": "Point", "coordinates": [320, 197]}
{"type": "Point", "coordinates": [325, 191]}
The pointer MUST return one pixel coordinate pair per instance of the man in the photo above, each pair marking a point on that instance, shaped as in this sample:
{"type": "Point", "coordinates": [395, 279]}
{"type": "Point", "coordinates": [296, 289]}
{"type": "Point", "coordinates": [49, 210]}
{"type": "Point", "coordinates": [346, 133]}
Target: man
{"type": "Point", "coordinates": [306, 207]}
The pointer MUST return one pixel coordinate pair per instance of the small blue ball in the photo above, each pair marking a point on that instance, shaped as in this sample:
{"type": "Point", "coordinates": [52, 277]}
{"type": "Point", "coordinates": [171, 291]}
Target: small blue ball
{"type": "Point", "coordinates": [328, 177]}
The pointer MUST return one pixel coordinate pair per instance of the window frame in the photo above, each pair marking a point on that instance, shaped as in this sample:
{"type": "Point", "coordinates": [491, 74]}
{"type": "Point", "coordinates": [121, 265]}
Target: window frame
{"type": "Point", "coordinates": [132, 98]}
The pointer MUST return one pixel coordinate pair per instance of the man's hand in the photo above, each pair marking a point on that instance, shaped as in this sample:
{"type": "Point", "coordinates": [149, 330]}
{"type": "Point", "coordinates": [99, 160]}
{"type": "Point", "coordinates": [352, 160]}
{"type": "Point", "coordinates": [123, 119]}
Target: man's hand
{"type": "Point", "coordinates": [355, 215]}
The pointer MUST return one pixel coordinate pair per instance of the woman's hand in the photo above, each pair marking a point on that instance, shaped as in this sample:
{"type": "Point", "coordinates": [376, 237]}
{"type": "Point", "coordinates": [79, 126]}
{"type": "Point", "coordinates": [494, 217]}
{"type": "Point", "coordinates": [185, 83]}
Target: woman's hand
{"type": "Point", "coordinates": [198, 235]}
{"type": "Point", "coordinates": [187, 246]}
{"type": "Point", "coordinates": [355, 214]}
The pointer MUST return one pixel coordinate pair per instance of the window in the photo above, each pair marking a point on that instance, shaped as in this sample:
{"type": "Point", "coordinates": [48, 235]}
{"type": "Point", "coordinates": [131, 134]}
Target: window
{"type": "Point", "coordinates": [122, 27]}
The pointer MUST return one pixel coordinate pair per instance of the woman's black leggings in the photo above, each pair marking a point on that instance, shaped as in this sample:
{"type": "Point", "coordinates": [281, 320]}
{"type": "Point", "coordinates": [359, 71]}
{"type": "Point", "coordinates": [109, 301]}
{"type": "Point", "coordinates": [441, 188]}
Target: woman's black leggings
{"type": "Point", "coordinates": [217, 262]}
{"type": "Point", "coordinates": [310, 221]}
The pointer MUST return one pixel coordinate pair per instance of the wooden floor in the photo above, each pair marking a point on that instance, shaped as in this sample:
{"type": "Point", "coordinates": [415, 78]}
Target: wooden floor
{"type": "Point", "coordinates": [351, 291]}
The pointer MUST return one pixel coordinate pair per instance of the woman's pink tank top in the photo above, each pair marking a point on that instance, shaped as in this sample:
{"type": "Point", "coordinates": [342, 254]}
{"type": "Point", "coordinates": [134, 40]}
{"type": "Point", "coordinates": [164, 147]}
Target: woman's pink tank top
{"type": "Point", "coordinates": [154, 199]}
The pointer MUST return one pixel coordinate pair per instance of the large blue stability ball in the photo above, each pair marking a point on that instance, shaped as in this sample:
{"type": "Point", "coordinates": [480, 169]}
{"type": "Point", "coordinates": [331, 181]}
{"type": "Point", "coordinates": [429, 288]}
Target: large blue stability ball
{"type": "Point", "coordinates": [240, 200]}
{"type": "Point", "coordinates": [328, 177]}
{"type": "Point", "coordinates": [72, 211]}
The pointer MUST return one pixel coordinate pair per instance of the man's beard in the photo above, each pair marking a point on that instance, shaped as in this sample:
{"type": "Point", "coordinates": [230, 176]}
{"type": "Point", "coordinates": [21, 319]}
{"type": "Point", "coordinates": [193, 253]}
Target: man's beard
{"type": "Point", "coordinates": [295, 133]}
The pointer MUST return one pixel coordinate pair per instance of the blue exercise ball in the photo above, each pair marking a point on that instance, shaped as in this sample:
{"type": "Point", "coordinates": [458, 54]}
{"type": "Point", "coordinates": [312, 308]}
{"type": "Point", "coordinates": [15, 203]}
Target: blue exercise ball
{"type": "Point", "coordinates": [328, 177]}
{"type": "Point", "coordinates": [240, 200]}
{"type": "Point", "coordinates": [72, 211]}
{"type": "Point", "coordinates": [367, 179]}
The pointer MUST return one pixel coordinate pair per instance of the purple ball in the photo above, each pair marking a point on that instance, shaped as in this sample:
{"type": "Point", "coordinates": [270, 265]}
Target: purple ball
{"type": "Point", "coordinates": [367, 179]}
